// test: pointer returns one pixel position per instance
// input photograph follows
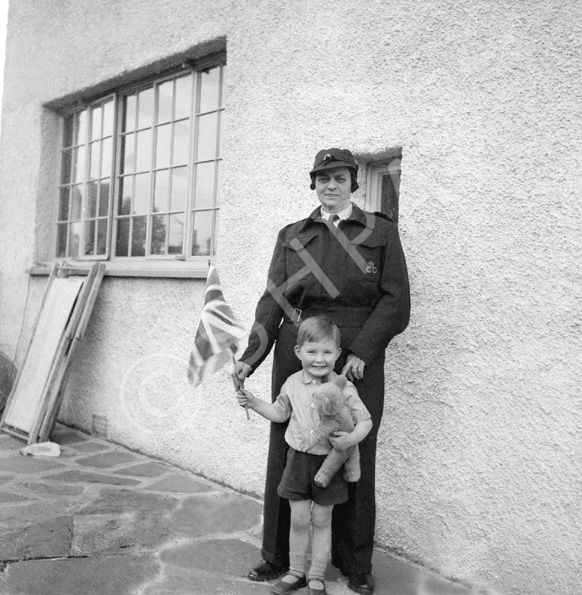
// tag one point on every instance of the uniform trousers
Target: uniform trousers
(353, 522)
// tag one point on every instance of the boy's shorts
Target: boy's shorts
(297, 481)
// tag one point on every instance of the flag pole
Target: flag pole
(246, 406)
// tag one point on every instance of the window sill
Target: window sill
(169, 270)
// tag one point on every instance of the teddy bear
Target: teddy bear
(330, 402)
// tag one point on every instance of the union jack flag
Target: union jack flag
(218, 333)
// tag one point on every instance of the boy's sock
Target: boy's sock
(317, 570)
(296, 568)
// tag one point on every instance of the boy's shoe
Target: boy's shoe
(283, 588)
(361, 583)
(265, 571)
(316, 590)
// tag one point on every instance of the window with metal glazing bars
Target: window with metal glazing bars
(140, 171)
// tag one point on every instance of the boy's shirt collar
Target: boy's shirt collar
(306, 378)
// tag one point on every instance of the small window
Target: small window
(383, 187)
(140, 171)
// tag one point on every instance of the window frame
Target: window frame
(182, 264)
(376, 170)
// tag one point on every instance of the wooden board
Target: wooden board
(33, 403)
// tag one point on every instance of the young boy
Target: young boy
(318, 348)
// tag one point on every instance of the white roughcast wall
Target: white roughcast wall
(478, 470)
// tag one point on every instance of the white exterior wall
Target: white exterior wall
(479, 472)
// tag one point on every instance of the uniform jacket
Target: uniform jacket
(316, 266)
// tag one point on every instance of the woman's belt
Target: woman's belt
(346, 316)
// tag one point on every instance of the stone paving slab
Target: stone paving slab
(108, 575)
(145, 470)
(87, 477)
(181, 484)
(6, 497)
(118, 534)
(87, 447)
(232, 557)
(119, 501)
(46, 490)
(48, 539)
(106, 460)
(28, 464)
(199, 582)
(215, 513)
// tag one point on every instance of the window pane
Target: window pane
(104, 198)
(220, 128)
(183, 97)
(77, 202)
(79, 164)
(161, 191)
(145, 117)
(68, 131)
(204, 195)
(181, 153)
(108, 119)
(102, 236)
(138, 236)
(201, 233)
(129, 113)
(106, 157)
(96, 120)
(141, 198)
(81, 128)
(209, 90)
(66, 162)
(214, 229)
(218, 182)
(389, 198)
(127, 153)
(122, 245)
(74, 239)
(222, 95)
(63, 204)
(92, 194)
(61, 240)
(89, 238)
(179, 189)
(95, 157)
(163, 146)
(176, 234)
(144, 151)
(125, 196)
(158, 234)
(207, 137)
(165, 96)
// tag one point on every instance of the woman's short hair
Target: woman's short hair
(318, 328)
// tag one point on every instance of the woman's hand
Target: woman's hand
(240, 372)
(354, 368)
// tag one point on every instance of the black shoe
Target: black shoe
(361, 583)
(283, 588)
(265, 571)
(316, 591)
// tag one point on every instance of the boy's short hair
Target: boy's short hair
(318, 328)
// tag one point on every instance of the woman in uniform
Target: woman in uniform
(348, 264)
